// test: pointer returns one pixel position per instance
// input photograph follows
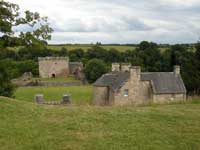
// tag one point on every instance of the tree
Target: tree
(63, 52)
(34, 39)
(97, 52)
(144, 45)
(94, 69)
(6, 87)
(113, 56)
(10, 16)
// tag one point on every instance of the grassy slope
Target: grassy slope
(79, 94)
(28, 126)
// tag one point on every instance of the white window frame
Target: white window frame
(126, 93)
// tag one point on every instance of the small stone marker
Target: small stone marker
(66, 100)
(39, 98)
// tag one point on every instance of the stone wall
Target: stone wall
(111, 97)
(166, 98)
(75, 66)
(100, 95)
(120, 99)
(142, 96)
(53, 66)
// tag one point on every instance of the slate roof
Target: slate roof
(161, 82)
(164, 82)
(114, 80)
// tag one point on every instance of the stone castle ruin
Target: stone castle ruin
(51, 67)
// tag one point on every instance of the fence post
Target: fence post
(39, 98)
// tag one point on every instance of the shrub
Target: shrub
(94, 69)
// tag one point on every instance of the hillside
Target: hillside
(25, 126)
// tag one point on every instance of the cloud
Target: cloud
(119, 21)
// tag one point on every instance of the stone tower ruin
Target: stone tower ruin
(53, 67)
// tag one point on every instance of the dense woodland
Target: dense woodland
(97, 60)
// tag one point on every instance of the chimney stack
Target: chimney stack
(125, 67)
(115, 67)
(177, 70)
(135, 73)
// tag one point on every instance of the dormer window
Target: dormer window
(126, 93)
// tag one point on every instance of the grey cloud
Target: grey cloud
(100, 24)
(132, 20)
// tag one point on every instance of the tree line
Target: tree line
(147, 55)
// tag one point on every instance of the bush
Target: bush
(28, 66)
(6, 87)
(94, 69)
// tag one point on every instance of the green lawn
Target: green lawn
(79, 94)
(27, 126)
(60, 79)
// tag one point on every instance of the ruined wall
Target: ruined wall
(100, 95)
(166, 98)
(74, 66)
(59, 66)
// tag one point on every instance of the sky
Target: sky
(119, 21)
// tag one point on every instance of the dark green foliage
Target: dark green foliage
(28, 66)
(113, 56)
(76, 55)
(5, 53)
(32, 53)
(6, 87)
(63, 52)
(94, 69)
(144, 45)
(98, 53)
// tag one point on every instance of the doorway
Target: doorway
(53, 75)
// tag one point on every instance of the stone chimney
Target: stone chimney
(135, 73)
(115, 67)
(125, 67)
(177, 70)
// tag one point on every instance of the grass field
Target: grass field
(27, 126)
(79, 94)
(85, 47)
(60, 79)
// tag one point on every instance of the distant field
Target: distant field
(27, 126)
(79, 94)
(85, 47)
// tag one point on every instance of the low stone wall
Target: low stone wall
(39, 99)
(29, 84)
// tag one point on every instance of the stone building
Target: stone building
(127, 85)
(57, 67)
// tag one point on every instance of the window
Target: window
(126, 93)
